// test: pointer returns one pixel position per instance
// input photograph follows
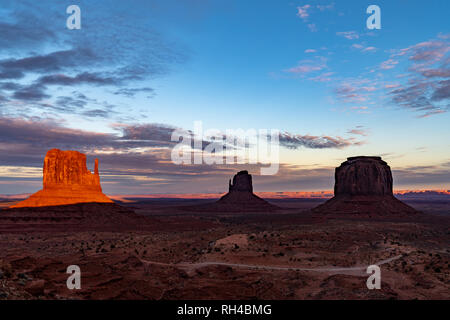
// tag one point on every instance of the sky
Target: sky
(117, 88)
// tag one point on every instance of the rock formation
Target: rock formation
(363, 176)
(66, 181)
(241, 182)
(68, 168)
(240, 197)
(363, 185)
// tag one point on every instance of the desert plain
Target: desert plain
(177, 253)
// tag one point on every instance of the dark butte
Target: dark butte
(363, 176)
(242, 182)
(241, 197)
(363, 186)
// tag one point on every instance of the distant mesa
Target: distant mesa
(242, 182)
(71, 199)
(66, 181)
(240, 197)
(363, 185)
(363, 176)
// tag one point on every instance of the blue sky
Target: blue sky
(308, 68)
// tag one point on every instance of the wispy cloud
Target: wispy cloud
(354, 91)
(426, 87)
(312, 27)
(362, 48)
(388, 64)
(302, 11)
(134, 153)
(42, 59)
(294, 141)
(131, 92)
(308, 65)
(324, 77)
(360, 131)
(350, 35)
(325, 7)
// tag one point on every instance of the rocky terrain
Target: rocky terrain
(234, 256)
(75, 217)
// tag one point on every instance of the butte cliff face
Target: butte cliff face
(66, 181)
(363, 185)
(68, 169)
(363, 176)
(242, 182)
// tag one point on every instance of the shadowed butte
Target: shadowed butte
(363, 185)
(240, 196)
(66, 181)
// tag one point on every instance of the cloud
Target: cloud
(416, 96)
(324, 77)
(369, 49)
(47, 133)
(429, 51)
(363, 48)
(302, 12)
(359, 130)
(425, 88)
(391, 85)
(65, 101)
(31, 92)
(137, 159)
(388, 64)
(308, 66)
(77, 103)
(436, 73)
(312, 27)
(350, 35)
(96, 113)
(146, 132)
(131, 92)
(11, 74)
(138, 154)
(25, 31)
(325, 7)
(417, 176)
(41, 53)
(35, 136)
(354, 92)
(294, 141)
(10, 86)
(310, 51)
(360, 109)
(54, 61)
(82, 78)
(442, 91)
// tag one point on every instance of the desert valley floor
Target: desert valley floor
(180, 254)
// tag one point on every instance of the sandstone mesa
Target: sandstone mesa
(240, 196)
(363, 185)
(66, 180)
